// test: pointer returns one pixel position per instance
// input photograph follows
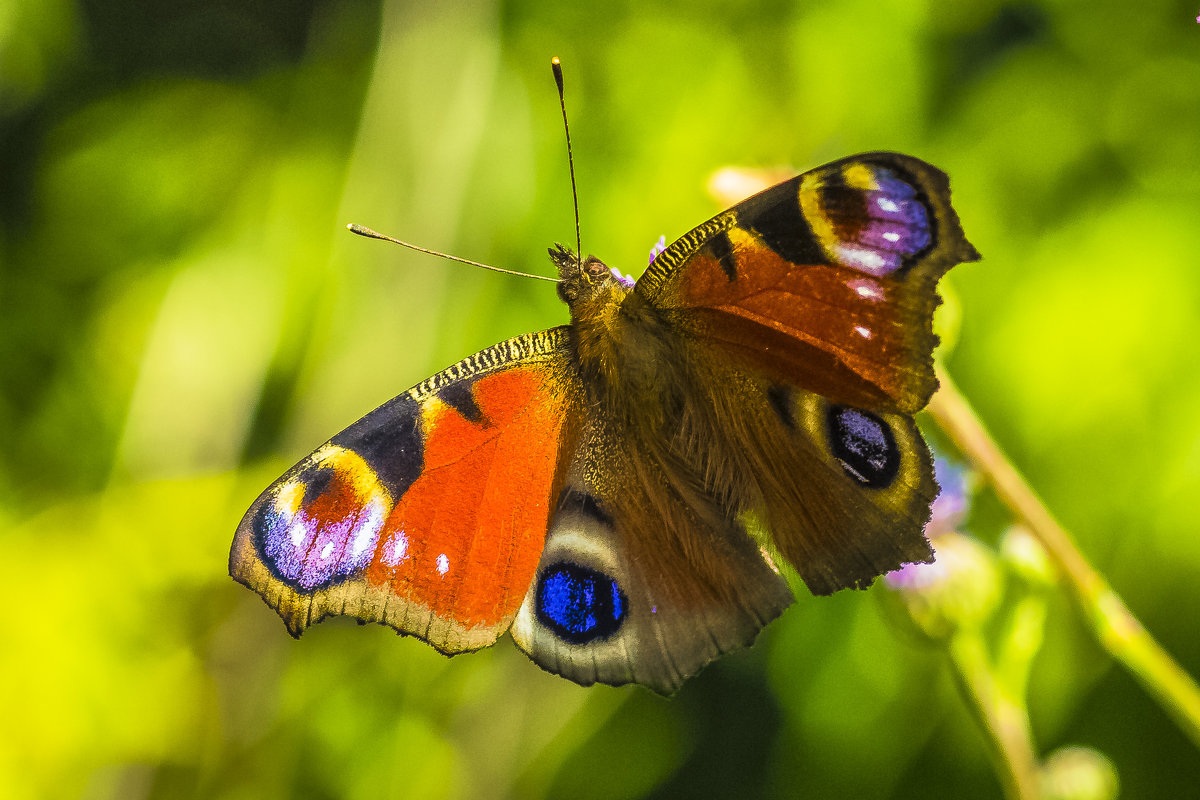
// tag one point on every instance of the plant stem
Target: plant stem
(1021, 640)
(1115, 626)
(1002, 716)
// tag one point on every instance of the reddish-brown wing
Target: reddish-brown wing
(805, 315)
(827, 279)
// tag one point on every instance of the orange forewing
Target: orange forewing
(429, 513)
(465, 538)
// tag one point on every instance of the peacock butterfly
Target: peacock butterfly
(618, 491)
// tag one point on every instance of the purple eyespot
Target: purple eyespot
(324, 525)
(864, 445)
(875, 222)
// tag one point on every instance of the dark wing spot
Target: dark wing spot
(721, 249)
(864, 445)
(316, 483)
(783, 227)
(579, 605)
(389, 440)
(460, 397)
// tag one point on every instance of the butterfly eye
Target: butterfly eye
(596, 271)
(864, 445)
(579, 604)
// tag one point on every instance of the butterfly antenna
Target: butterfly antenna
(362, 230)
(556, 65)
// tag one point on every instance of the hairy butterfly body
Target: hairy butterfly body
(619, 491)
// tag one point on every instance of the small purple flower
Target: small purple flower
(622, 278)
(659, 246)
(914, 577)
(960, 590)
(962, 586)
(952, 503)
(945, 515)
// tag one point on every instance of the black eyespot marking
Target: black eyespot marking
(460, 397)
(785, 230)
(864, 445)
(722, 250)
(578, 604)
(316, 483)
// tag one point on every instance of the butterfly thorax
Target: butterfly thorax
(619, 355)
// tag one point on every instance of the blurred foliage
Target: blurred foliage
(182, 315)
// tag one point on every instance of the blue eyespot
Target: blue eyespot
(579, 604)
(864, 445)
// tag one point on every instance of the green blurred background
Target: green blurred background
(183, 315)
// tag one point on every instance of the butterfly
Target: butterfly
(620, 492)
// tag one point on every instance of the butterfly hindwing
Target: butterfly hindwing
(845, 490)
(633, 586)
(429, 513)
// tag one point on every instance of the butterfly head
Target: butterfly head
(585, 281)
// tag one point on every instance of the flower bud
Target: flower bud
(960, 589)
(1025, 557)
(1078, 773)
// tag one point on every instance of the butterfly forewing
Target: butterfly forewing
(409, 517)
(827, 278)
